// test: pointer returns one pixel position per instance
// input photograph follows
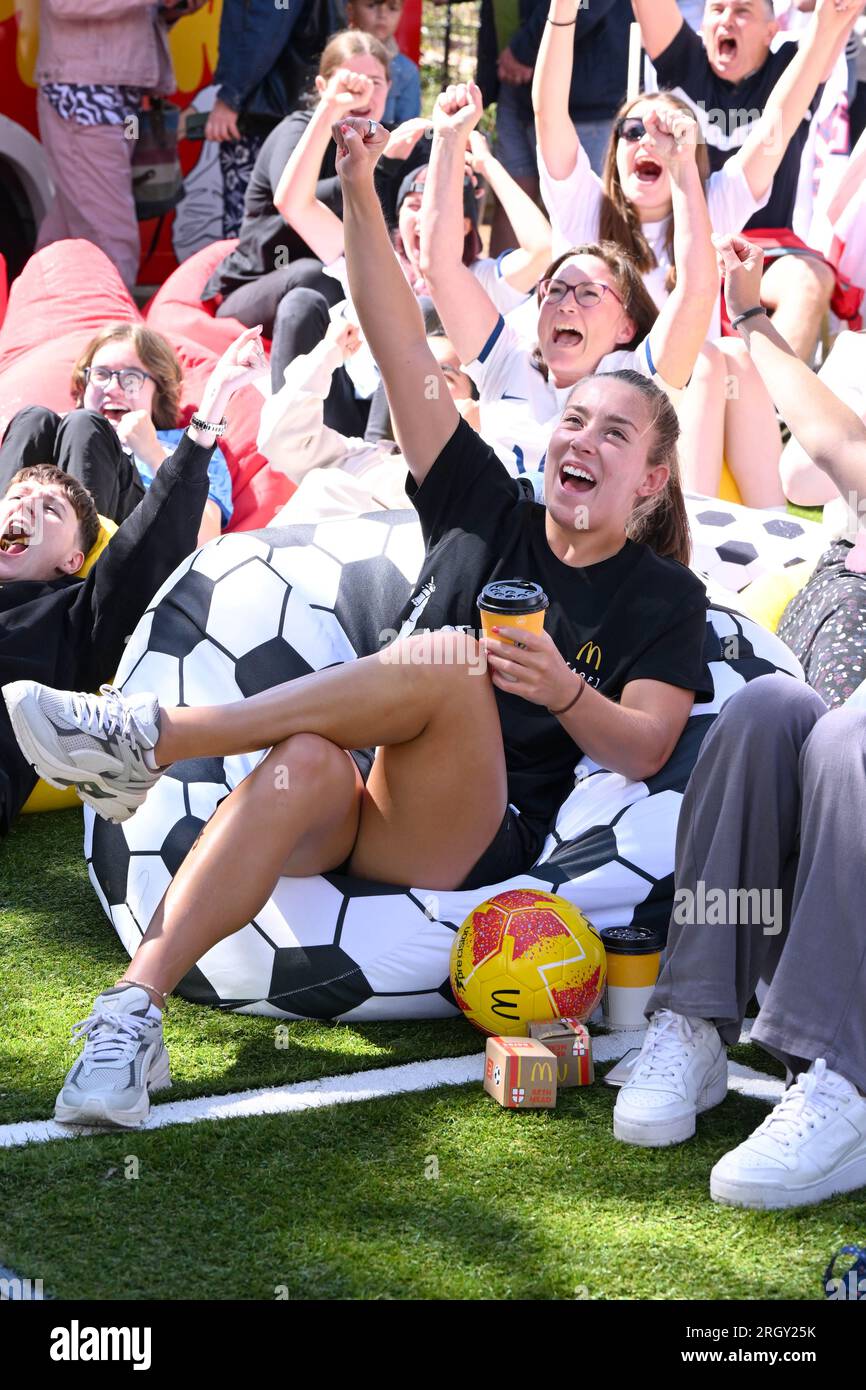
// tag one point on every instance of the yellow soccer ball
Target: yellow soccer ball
(525, 957)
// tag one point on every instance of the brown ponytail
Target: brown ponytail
(660, 521)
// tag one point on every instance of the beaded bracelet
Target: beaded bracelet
(562, 23)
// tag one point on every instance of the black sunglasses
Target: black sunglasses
(630, 128)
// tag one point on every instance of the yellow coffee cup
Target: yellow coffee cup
(512, 603)
(633, 958)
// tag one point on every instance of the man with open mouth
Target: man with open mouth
(727, 73)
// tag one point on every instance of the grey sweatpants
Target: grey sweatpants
(777, 800)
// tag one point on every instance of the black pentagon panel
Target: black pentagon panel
(316, 981)
(179, 841)
(715, 518)
(198, 990)
(366, 888)
(789, 529)
(797, 560)
(198, 770)
(737, 552)
(678, 768)
(447, 993)
(750, 667)
(655, 911)
(269, 665)
(591, 850)
(110, 859)
(180, 621)
(371, 596)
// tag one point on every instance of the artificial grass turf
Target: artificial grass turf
(58, 950)
(337, 1204)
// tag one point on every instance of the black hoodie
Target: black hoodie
(70, 633)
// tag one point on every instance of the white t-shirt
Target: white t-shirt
(362, 369)
(518, 409)
(574, 207)
(490, 274)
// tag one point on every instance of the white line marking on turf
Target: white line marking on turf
(341, 1090)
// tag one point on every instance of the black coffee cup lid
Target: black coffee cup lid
(631, 941)
(512, 596)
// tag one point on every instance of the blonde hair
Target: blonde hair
(618, 219)
(156, 355)
(659, 521)
(349, 43)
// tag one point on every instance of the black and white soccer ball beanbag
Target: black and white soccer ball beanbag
(251, 610)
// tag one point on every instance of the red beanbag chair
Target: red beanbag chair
(4, 288)
(199, 338)
(64, 295)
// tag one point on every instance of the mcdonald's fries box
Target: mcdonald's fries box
(569, 1041)
(520, 1073)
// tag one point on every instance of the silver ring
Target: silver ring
(373, 127)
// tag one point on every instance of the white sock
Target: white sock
(153, 1011)
(149, 758)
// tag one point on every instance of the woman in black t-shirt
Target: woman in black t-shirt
(614, 674)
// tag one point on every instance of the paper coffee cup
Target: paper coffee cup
(512, 603)
(633, 958)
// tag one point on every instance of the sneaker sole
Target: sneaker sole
(96, 1110)
(65, 775)
(731, 1193)
(661, 1134)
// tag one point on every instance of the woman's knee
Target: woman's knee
(771, 703)
(836, 743)
(309, 766)
(302, 304)
(84, 424)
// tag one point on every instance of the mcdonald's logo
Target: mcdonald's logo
(505, 1008)
(588, 653)
(541, 1071)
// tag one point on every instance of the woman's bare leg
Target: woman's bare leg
(269, 825)
(701, 411)
(753, 442)
(433, 803)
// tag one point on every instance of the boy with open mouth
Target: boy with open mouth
(56, 625)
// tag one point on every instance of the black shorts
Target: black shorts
(513, 850)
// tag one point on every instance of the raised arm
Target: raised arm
(832, 435)
(851, 181)
(422, 411)
(551, 87)
(468, 315)
(523, 267)
(679, 331)
(789, 100)
(295, 194)
(660, 21)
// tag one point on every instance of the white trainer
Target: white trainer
(811, 1146)
(95, 743)
(682, 1070)
(124, 1058)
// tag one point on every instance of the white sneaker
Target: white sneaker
(95, 743)
(124, 1058)
(682, 1070)
(811, 1146)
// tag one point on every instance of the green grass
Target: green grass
(338, 1203)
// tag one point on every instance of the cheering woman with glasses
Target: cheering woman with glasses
(727, 411)
(594, 312)
(128, 382)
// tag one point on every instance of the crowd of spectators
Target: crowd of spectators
(667, 256)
